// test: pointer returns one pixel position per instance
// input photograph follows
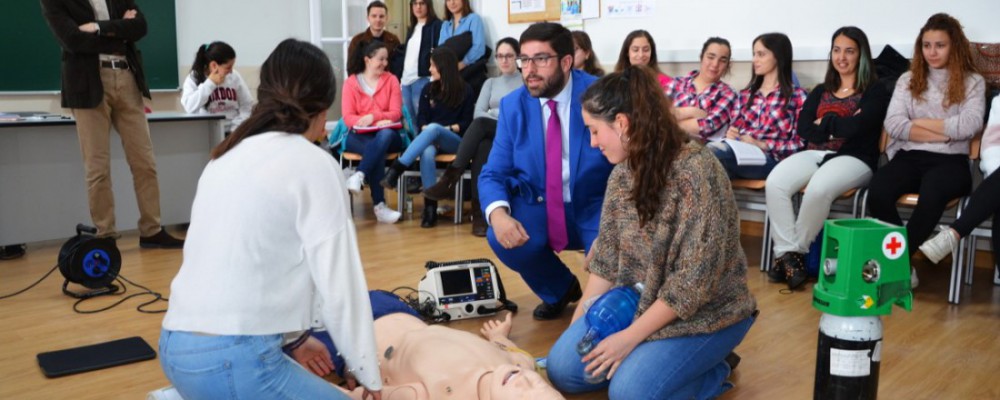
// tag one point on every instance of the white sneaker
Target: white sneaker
(996, 276)
(914, 281)
(355, 181)
(940, 245)
(385, 214)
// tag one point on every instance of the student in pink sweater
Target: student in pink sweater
(372, 99)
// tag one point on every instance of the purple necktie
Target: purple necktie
(554, 206)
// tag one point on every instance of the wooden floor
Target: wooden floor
(938, 351)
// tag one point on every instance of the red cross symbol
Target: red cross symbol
(893, 245)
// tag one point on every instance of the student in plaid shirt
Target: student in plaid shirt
(702, 101)
(639, 48)
(767, 110)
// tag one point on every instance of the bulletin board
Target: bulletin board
(552, 12)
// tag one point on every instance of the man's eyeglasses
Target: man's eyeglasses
(540, 61)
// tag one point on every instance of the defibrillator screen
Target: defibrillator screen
(456, 282)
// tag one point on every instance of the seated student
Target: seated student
(983, 203)
(271, 219)
(377, 13)
(841, 123)
(428, 362)
(421, 39)
(478, 139)
(584, 58)
(640, 49)
(669, 222)
(372, 99)
(936, 109)
(213, 86)
(445, 113)
(459, 18)
(702, 101)
(766, 112)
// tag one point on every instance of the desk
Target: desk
(42, 190)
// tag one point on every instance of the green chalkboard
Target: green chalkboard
(32, 55)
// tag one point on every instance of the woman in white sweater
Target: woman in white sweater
(214, 87)
(271, 251)
(935, 111)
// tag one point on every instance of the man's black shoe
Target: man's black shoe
(546, 311)
(161, 240)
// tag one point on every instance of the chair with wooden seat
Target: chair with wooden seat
(337, 143)
(440, 159)
(744, 190)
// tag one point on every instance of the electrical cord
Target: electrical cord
(427, 308)
(31, 285)
(124, 289)
(121, 286)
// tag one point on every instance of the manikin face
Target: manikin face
(845, 55)
(544, 80)
(763, 60)
(505, 59)
(936, 45)
(714, 62)
(377, 62)
(608, 137)
(419, 8)
(510, 382)
(639, 51)
(377, 18)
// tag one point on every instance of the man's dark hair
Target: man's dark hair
(378, 4)
(556, 35)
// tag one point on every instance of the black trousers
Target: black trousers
(985, 201)
(937, 178)
(475, 148)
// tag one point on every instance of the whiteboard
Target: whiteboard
(680, 27)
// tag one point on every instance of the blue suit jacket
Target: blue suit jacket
(515, 171)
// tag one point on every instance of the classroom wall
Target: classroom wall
(254, 27)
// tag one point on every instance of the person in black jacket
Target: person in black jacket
(103, 83)
(841, 122)
(425, 28)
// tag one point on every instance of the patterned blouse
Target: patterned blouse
(688, 256)
(717, 100)
(771, 119)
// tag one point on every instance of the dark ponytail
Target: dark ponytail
(220, 52)
(296, 84)
(450, 89)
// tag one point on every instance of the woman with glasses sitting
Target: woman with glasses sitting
(478, 139)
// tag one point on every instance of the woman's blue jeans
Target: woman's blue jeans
(237, 367)
(373, 148)
(673, 368)
(432, 140)
(735, 171)
(411, 94)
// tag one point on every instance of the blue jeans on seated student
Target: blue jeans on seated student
(231, 367)
(432, 140)
(373, 148)
(735, 171)
(673, 368)
(411, 94)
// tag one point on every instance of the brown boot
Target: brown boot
(479, 225)
(444, 189)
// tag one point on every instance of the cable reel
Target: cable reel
(89, 261)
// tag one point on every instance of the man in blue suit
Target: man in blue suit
(543, 185)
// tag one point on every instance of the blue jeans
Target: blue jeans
(373, 147)
(427, 144)
(673, 368)
(735, 171)
(237, 367)
(411, 95)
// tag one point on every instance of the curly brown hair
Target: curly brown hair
(653, 137)
(960, 63)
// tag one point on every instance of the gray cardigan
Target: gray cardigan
(488, 105)
(961, 121)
